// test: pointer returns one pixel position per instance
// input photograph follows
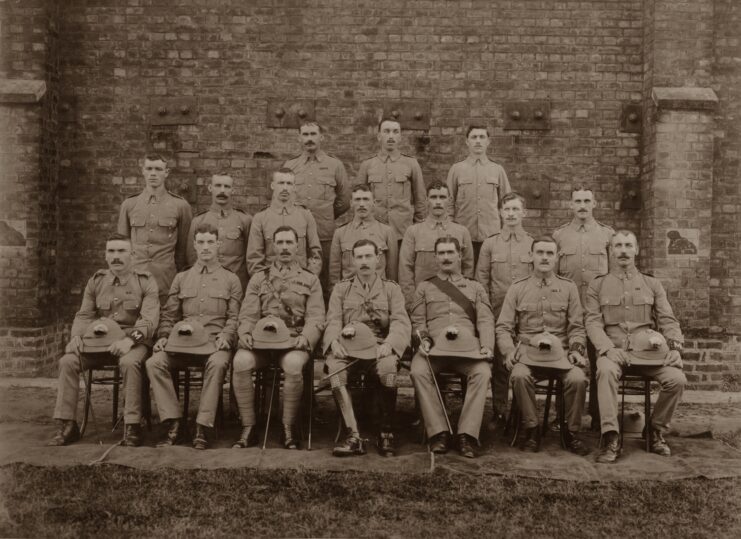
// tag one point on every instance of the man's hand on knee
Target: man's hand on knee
(159, 346)
(338, 350)
(121, 347)
(618, 357)
(384, 350)
(245, 342)
(510, 360)
(74, 346)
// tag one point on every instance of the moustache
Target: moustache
(116, 261)
(285, 252)
(364, 267)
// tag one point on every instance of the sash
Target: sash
(458, 297)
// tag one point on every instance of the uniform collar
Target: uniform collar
(359, 223)
(282, 209)
(477, 159)
(221, 211)
(393, 156)
(357, 283)
(453, 278)
(540, 280)
(111, 278)
(508, 233)
(588, 226)
(154, 195)
(318, 156)
(275, 269)
(434, 223)
(630, 273)
(200, 267)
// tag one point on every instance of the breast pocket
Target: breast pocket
(556, 314)
(529, 318)
(166, 226)
(187, 293)
(490, 186)
(643, 304)
(566, 258)
(326, 188)
(375, 180)
(103, 305)
(131, 305)
(401, 187)
(138, 227)
(597, 259)
(613, 310)
(465, 188)
(217, 300)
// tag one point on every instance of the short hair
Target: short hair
(448, 239)
(544, 238)
(285, 228)
(221, 173)
(363, 243)
(206, 228)
(437, 184)
(310, 123)
(624, 232)
(365, 187)
(388, 119)
(117, 237)
(476, 126)
(283, 170)
(156, 157)
(581, 187)
(512, 195)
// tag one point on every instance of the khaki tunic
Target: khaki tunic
(340, 257)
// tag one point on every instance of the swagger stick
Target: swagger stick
(270, 408)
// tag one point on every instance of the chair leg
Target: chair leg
(186, 394)
(544, 426)
(647, 411)
(88, 395)
(116, 384)
(563, 427)
(146, 401)
(513, 420)
(622, 411)
(309, 397)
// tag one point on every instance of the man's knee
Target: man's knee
(419, 367)
(387, 366)
(218, 361)
(673, 380)
(606, 368)
(480, 371)
(70, 362)
(134, 358)
(575, 378)
(520, 373)
(293, 362)
(158, 361)
(244, 360)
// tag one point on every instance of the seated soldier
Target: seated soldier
(293, 294)
(543, 313)
(206, 298)
(634, 330)
(449, 307)
(128, 299)
(377, 306)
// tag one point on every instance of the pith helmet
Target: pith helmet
(546, 351)
(271, 333)
(190, 337)
(100, 334)
(457, 343)
(647, 347)
(358, 340)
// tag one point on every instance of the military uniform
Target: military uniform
(133, 302)
(211, 297)
(158, 226)
(260, 251)
(234, 228)
(295, 296)
(504, 258)
(417, 256)
(398, 189)
(535, 305)
(433, 311)
(619, 304)
(476, 186)
(341, 260)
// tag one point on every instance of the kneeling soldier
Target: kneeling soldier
(205, 299)
(449, 307)
(366, 307)
(128, 299)
(286, 291)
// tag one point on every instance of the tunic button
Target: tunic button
(202, 299)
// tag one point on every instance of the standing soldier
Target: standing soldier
(283, 212)
(504, 258)
(476, 186)
(417, 259)
(321, 186)
(157, 221)
(128, 297)
(582, 256)
(396, 180)
(232, 223)
(364, 226)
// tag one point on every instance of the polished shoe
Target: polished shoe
(658, 445)
(200, 440)
(529, 440)
(67, 433)
(498, 424)
(290, 441)
(576, 446)
(610, 450)
(174, 434)
(132, 435)
(352, 445)
(248, 438)
(465, 446)
(385, 444)
(439, 443)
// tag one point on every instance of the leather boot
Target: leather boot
(67, 433)
(132, 435)
(352, 445)
(200, 440)
(529, 440)
(610, 450)
(248, 438)
(386, 444)
(439, 442)
(290, 440)
(388, 412)
(174, 434)
(465, 446)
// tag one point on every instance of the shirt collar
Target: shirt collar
(454, 277)
(359, 284)
(153, 195)
(282, 209)
(222, 211)
(588, 225)
(318, 156)
(507, 233)
(359, 223)
(477, 159)
(275, 269)
(434, 223)
(112, 278)
(200, 267)
(539, 280)
(393, 156)
(618, 272)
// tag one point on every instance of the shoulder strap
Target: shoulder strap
(454, 293)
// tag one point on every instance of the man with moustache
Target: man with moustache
(157, 221)
(321, 186)
(476, 186)
(363, 226)
(417, 259)
(129, 297)
(369, 299)
(283, 212)
(396, 180)
(232, 223)
(205, 295)
(625, 307)
(543, 310)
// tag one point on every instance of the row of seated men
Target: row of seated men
(541, 329)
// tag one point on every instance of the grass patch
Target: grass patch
(117, 501)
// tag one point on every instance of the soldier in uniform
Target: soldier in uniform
(157, 221)
(363, 226)
(232, 223)
(208, 294)
(620, 306)
(321, 186)
(504, 258)
(129, 297)
(417, 258)
(294, 295)
(379, 304)
(283, 212)
(582, 255)
(444, 305)
(396, 180)
(476, 186)
(544, 310)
